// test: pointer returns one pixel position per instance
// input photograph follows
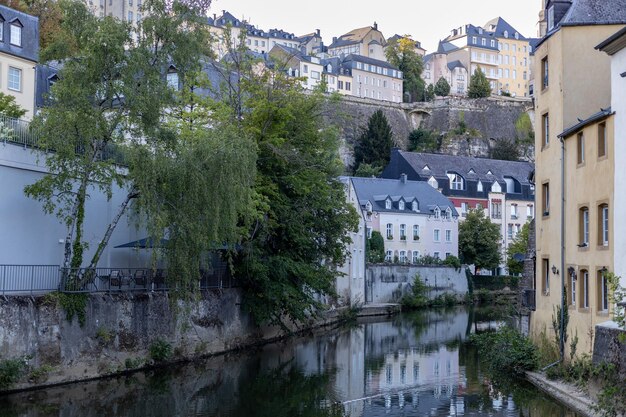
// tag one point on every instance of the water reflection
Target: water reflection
(416, 365)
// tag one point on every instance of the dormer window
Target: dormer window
(506, 33)
(433, 182)
(1, 28)
(388, 204)
(448, 213)
(437, 212)
(456, 181)
(368, 207)
(401, 204)
(471, 171)
(415, 206)
(426, 167)
(479, 187)
(172, 79)
(16, 33)
(489, 173)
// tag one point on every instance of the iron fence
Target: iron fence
(17, 131)
(137, 279)
(28, 279)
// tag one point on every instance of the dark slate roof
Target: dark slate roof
(46, 76)
(445, 47)
(427, 58)
(368, 60)
(377, 190)
(225, 19)
(440, 165)
(500, 26)
(30, 34)
(293, 52)
(455, 64)
(595, 12)
(602, 114)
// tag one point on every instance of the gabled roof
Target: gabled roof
(225, 19)
(445, 47)
(292, 52)
(353, 37)
(368, 60)
(441, 165)
(377, 190)
(595, 12)
(499, 26)
(456, 64)
(602, 114)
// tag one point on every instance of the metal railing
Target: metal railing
(17, 131)
(89, 280)
(28, 279)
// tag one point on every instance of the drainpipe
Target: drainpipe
(562, 341)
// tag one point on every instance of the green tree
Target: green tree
(429, 93)
(479, 241)
(9, 107)
(423, 140)
(49, 14)
(505, 150)
(100, 105)
(479, 85)
(301, 220)
(375, 248)
(518, 246)
(368, 171)
(374, 145)
(401, 53)
(442, 87)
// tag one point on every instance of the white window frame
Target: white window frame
(416, 232)
(605, 225)
(437, 235)
(16, 30)
(403, 232)
(389, 231)
(18, 71)
(448, 235)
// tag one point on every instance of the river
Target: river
(416, 364)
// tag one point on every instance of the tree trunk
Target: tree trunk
(69, 239)
(111, 227)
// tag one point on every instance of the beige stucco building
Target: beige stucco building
(367, 41)
(574, 224)
(19, 53)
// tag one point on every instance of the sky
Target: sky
(425, 21)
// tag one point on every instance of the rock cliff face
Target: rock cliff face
(485, 121)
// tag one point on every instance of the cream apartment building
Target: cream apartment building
(374, 79)
(367, 41)
(574, 242)
(19, 53)
(128, 10)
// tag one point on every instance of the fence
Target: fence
(30, 279)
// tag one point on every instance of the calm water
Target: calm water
(411, 365)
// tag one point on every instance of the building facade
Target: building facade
(574, 151)
(367, 41)
(501, 189)
(414, 219)
(19, 54)
(437, 65)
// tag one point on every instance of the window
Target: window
(340, 85)
(496, 210)
(479, 187)
(545, 129)
(603, 288)
(401, 205)
(437, 212)
(315, 75)
(493, 43)
(348, 86)
(306, 69)
(138, 17)
(602, 142)
(584, 288)
(551, 18)
(416, 257)
(515, 74)
(474, 40)
(506, 60)
(545, 271)
(464, 209)
(580, 145)
(436, 256)
(15, 79)
(514, 211)
(544, 73)
(130, 16)
(436, 236)
(456, 181)
(433, 182)
(572, 278)
(388, 256)
(509, 231)
(16, 33)
(1, 29)
(603, 227)
(448, 235)
(545, 195)
(414, 206)
(388, 204)
(403, 232)
(583, 234)
(416, 232)
(529, 211)
(389, 231)
(402, 257)
(172, 80)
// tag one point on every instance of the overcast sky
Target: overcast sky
(426, 21)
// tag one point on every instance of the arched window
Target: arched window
(448, 214)
(402, 257)
(512, 185)
(456, 181)
(388, 256)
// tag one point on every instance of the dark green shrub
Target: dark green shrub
(160, 350)
(418, 298)
(452, 261)
(11, 370)
(506, 350)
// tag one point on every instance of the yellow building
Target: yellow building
(574, 147)
(19, 53)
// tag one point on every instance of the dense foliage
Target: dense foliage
(442, 87)
(9, 108)
(479, 85)
(505, 150)
(401, 53)
(506, 351)
(374, 145)
(479, 241)
(519, 245)
(424, 140)
(375, 248)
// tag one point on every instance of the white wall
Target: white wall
(28, 236)
(618, 105)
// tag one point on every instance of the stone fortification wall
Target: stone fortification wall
(388, 283)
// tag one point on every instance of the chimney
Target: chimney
(375, 26)
(334, 39)
(403, 178)
(214, 17)
(317, 31)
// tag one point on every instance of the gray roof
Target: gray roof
(445, 47)
(368, 60)
(602, 114)
(595, 12)
(30, 34)
(500, 26)
(439, 166)
(456, 64)
(377, 190)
